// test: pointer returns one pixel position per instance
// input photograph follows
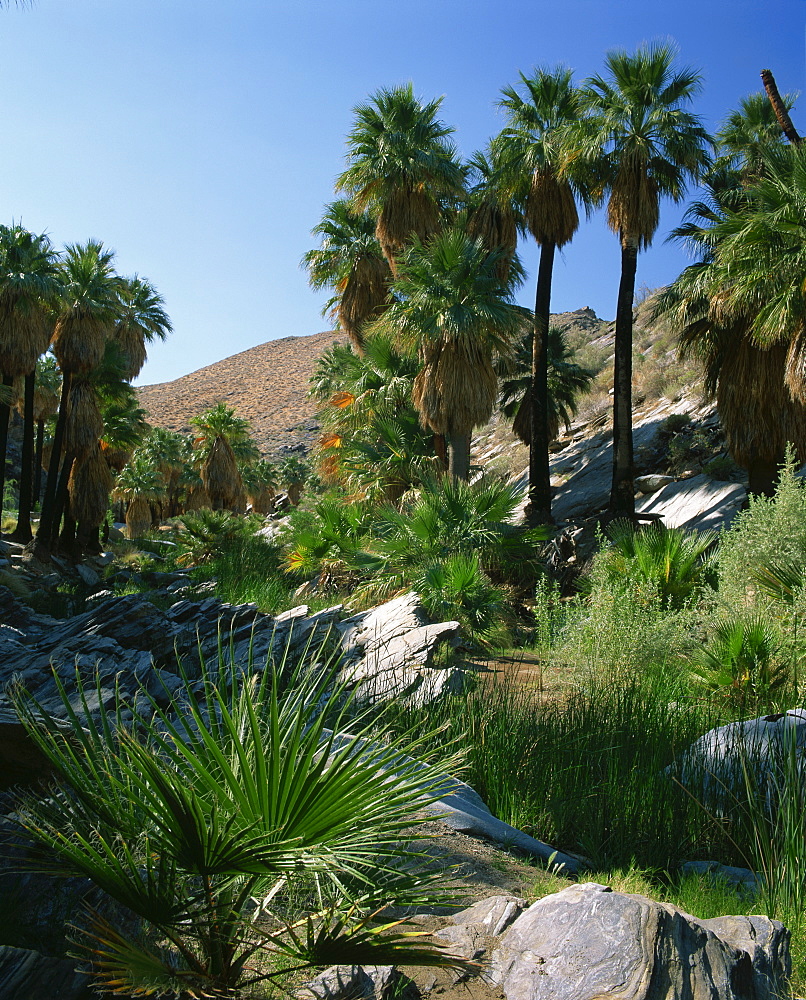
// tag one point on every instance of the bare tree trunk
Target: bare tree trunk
(459, 455)
(62, 504)
(40, 440)
(763, 477)
(5, 411)
(538, 509)
(779, 107)
(622, 492)
(46, 531)
(23, 533)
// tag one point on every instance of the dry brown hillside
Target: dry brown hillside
(267, 385)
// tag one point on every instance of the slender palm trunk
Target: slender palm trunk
(538, 509)
(62, 506)
(40, 441)
(23, 533)
(5, 412)
(763, 476)
(46, 529)
(459, 456)
(622, 492)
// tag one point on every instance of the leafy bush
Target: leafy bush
(209, 818)
(759, 535)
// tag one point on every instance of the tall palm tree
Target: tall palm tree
(47, 390)
(28, 287)
(90, 306)
(453, 305)
(741, 308)
(222, 441)
(351, 262)
(647, 146)
(141, 320)
(535, 153)
(401, 167)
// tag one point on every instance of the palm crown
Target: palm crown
(650, 145)
(400, 166)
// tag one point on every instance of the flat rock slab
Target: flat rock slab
(27, 975)
(588, 942)
(699, 502)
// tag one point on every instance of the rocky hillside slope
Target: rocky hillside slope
(268, 385)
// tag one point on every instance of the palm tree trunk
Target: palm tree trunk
(763, 477)
(538, 509)
(46, 531)
(23, 533)
(5, 412)
(62, 504)
(622, 492)
(459, 455)
(779, 108)
(40, 440)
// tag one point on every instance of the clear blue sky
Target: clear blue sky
(201, 139)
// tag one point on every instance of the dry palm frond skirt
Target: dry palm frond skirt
(456, 390)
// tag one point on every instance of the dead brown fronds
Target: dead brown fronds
(79, 340)
(551, 210)
(220, 475)
(456, 390)
(633, 210)
(408, 212)
(25, 333)
(364, 296)
(138, 518)
(90, 485)
(84, 425)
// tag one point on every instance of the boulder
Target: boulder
(352, 982)
(651, 484)
(588, 942)
(713, 768)
(699, 502)
(388, 652)
(27, 974)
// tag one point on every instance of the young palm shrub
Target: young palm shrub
(246, 790)
(449, 517)
(201, 534)
(743, 664)
(458, 589)
(332, 544)
(675, 561)
(293, 473)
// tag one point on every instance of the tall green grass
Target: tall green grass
(588, 775)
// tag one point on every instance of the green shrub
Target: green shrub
(249, 793)
(458, 589)
(743, 664)
(675, 562)
(758, 536)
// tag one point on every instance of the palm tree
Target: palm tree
(646, 146)
(535, 154)
(89, 308)
(47, 389)
(223, 439)
(566, 382)
(28, 286)
(139, 485)
(742, 308)
(454, 307)
(142, 319)
(401, 167)
(351, 262)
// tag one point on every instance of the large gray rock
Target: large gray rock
(388, 652)
(714, 767)
(587, 943)
(699, 502)
(27, 975)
